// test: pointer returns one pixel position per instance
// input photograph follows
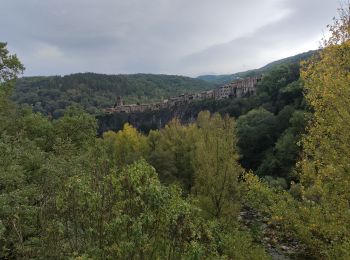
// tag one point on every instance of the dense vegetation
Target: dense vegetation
(268, 125)
(67, 194)
(316, 210)
(51, 95)
(178, 192)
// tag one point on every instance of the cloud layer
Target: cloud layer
(160, 36)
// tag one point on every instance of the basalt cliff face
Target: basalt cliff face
(235, 89)
(148, 119)
(186, 107)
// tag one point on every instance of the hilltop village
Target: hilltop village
(235, 89)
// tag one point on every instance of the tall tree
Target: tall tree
(318, 214)
(10, 66)
(257, 132)
(325, 168)
(128, 144)
(172, 152)
(327, 145)
(216, 167)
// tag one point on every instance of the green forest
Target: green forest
(260, 177)
(51, 95)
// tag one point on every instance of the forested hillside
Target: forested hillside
(51, 95)
(223, 79)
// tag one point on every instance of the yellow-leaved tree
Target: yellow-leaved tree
(128, 144)
(316, 211)
(216, 167)
(325, 163)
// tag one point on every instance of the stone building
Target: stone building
(236, 89)
(120, 102)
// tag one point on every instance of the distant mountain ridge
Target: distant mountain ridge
(226, 78)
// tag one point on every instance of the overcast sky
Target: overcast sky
(188, 37)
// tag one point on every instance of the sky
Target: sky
(183, 37)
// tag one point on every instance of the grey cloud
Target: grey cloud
(158, 36)
(301, 28)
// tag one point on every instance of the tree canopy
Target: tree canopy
(10, 66)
